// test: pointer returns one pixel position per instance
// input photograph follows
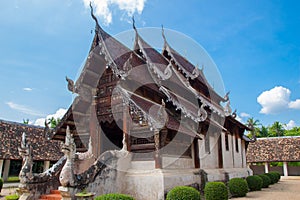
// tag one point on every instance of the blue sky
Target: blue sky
(255, 44)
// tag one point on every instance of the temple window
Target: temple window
(226, 142)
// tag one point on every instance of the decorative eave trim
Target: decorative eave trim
(201, 113)
(186, 73)
(127, 100)
(204, 102)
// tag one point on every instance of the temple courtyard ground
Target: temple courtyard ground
(287, 188)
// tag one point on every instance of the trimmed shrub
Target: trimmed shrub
(238, 187)
(183, 193)
(273, 177)
(114, 197)
(266, 180)
(277, 174)
(1, 184)
(12, 197)
(254, 183)
(215, 191)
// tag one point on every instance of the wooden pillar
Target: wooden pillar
(94, 135)
(1, 167)
(6, 169)
(285, 169)
(126, 136)
(266, 167)
(157, 156)
(196, 153)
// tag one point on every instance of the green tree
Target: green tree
(293, 132)
(263, 132)
(25, 121)
(254, 125)
(277, 129)
(53, 122)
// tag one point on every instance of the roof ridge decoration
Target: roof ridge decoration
(196, 71)
(103, 49)
(94, 17)
(154, 71)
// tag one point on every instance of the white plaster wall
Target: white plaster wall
(174, 178)
(177, 163)
(237, 155)
(227, 155)
(244, 158)
(144, 184)
(209, 160)
(153, 184)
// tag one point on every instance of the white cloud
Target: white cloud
(102, 7)
(295, 104)
(23, 109)
(290, 125)
(27, 89)
(274, 100)
(243, 114)
(58, 114)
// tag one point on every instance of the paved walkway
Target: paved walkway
(287, 188)
(8, 188)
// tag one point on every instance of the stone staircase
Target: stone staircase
(54, 195)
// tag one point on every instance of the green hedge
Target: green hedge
(238, 187)
(215, 191)
(1, 184)
(266, 180)
(183, 193)
(273, 177)
(254, 183)
(277, 175)
(114, 197)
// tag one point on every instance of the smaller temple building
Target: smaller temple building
(45, 152)
(280, 154)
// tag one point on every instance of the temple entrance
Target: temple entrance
(111, 136)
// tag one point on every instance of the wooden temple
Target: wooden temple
(155, 105)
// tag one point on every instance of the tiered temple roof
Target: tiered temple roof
(172, 77)
(11, 136)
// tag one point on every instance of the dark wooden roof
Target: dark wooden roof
(10, 139)
(274, 149)
(182, 62)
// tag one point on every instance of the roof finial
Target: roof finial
(93, 16)
(163, 32)
(133, 23)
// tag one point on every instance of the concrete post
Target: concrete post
(6, 169)
(1, 166)
(46, 165)
(285, 169)
(266, 167)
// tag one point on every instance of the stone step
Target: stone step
(54, 192)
